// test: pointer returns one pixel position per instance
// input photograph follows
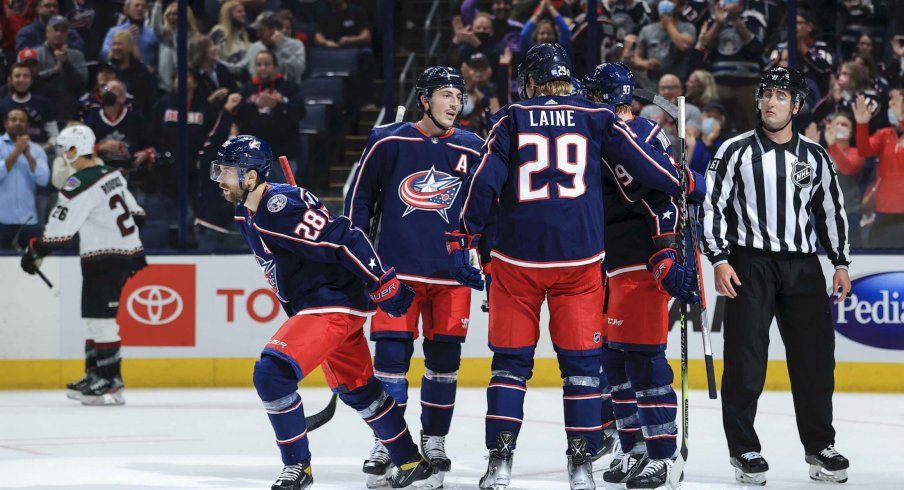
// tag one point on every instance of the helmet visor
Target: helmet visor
(224, 174)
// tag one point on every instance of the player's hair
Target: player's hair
(555, 87)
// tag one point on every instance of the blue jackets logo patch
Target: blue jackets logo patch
(874, 315)
(429, 190)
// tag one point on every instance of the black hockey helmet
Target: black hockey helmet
(784, 78)
(543, 63)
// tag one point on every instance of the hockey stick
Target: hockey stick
(659, 101)
(54, 290)
(287, 170)
(681, 460)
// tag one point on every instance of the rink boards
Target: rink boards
(202, 320)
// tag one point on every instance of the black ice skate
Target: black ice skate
(580, 465)
(416, 473)
(377, 466)
(626, 465)
(750, 468)
(653, 474)
(499, 468)
(74, 389)
(434, 450)
(294, 477)
(828, 465)
(608, 442)
(104, 391)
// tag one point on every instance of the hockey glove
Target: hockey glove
(31, 259)
(390, 295)
(461, 248)
(695, 184)
(678, 280)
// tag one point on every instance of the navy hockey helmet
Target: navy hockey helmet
(245, 153)
(543, 63)
(612, 83)
(435, 78)
(784, 78)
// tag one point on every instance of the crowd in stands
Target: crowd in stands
(112, 65)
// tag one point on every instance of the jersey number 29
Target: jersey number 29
(575, 165)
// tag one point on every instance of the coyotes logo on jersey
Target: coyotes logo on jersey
(429, 190)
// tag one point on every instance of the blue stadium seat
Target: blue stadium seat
(316, 119)
(323, 91)
(326, 62)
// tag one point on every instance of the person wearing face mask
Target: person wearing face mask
(415, 173)
(887, 230)
(770, 192)
(119, 130)
(839, 136)
(662, 47)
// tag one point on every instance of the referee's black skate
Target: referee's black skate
(294, 477)
(750, 468)
(104, 391)
(828, 465)
(499, 467)
(416, 473)
(377, 466)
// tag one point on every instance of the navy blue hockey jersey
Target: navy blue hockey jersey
(634, 213)
(542, 164)
(414, 184)
(315, 262)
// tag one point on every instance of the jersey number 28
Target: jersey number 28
(574, 165)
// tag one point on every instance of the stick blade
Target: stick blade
(318, 419)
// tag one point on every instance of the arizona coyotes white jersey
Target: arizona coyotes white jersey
(96, 203)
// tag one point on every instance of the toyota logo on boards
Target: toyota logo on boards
(155, 304)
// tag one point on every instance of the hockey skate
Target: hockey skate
(104, 391)
(750, 468)
(580, 465)
(74, 389)
(434, 451)
(653, 474)
(294, 477)
(499, 468)
(625, 465)
(416, 473)
(608, 442)
(828, 465)
(377, 466)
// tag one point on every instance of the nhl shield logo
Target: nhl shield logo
(596, 337)
(429, 190)
(801, 174)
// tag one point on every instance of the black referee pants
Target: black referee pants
(791, 287)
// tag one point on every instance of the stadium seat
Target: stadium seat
(327, 62)
(323, 91)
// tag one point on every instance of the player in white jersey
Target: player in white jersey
(95, 202)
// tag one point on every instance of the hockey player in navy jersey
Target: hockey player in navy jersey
(322, 269)
(636, 316)
(413, 174)
(542, 167)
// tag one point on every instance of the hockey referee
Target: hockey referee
(770, 194)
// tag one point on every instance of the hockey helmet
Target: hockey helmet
(612, 83)
(77, 136)
(543, 63)
(244, 153)
(784, 78)
(436, 77)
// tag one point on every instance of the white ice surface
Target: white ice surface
(221, 439)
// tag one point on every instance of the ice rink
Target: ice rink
(220, 439)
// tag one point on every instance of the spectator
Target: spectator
(733, 42)
(539, 29)
(289, 52)
(23, 169)
(703, 146)
(215, 81)
(701, 88)
(345, 25)
(92, 99)
(482, 100)
(15, 15)
(126, 61)
(478, 37)
(611, 48)
(231, 38)
(42, 128)
(670, 88)
(894, 71)
(119, 129)
(887, 230)
(662, 47)
(629, 16)
(288, 26)
(505, 29)
(34, 34)
(135, 12)
(62, 72)
(81, 15)
(271, 103)
(838, 135)
(814, 57)
(165, 23)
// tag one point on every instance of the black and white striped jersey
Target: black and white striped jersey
(778, 198)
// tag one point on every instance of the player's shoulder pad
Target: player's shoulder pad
(84, 179)
(468, 139)
(391, 129)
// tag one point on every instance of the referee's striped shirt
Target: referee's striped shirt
(777, 198)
